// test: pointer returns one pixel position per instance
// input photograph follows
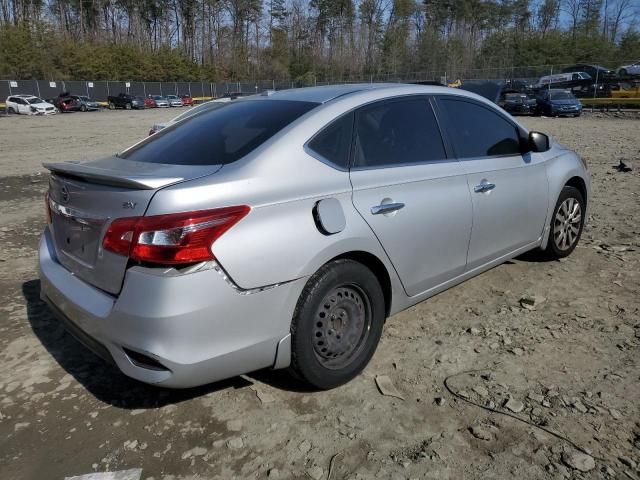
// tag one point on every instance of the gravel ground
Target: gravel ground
(569, 364)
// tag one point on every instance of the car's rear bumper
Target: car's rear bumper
(172, 329)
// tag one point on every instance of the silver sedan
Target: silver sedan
(281, 230)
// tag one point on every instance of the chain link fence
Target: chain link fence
(599, 83)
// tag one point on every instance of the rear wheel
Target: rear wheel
(128, 106)
(337, 324)
(566, 223)
(83, 108)
(12, 110)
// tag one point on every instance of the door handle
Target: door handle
(386, 208)
(484, 187)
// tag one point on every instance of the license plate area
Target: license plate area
(77, 238)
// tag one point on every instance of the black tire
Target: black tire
(128, 106)
(337, 324)
(12, 110)
(112, 106)
(83, 108)
(559, 245)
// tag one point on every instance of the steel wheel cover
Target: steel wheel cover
(341, 326)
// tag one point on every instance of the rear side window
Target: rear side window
(220, 136)
(397, 132)
(477, 131)
(334, 142)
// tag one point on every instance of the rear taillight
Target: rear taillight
(47, 207)
(177, 238)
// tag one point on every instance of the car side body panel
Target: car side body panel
(228, 316)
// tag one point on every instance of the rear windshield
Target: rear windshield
(203, 107)
(219, 136)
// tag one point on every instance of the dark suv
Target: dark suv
(124, 100)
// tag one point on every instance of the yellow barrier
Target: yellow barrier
(610, 101)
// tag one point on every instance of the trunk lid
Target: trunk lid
(85, 198)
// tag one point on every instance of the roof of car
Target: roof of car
(327, 93)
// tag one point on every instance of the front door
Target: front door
(413, 196)
(509, 190)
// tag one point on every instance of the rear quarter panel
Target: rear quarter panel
(278, 241)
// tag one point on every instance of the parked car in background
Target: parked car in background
(282, 231)
(29, 105)
(87, 103)
(596, 72)
(174, 100)
(629, 70)
(565, 80)
(124, 100)
(161, 101)
(149, 102)
(187, 101)
(203, 107)
(517, 103)
(556, 102)
(65, 102)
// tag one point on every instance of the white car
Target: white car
(633, 69)
(29, 105)
(212, 105)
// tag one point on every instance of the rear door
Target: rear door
(412, 194)
(509, 190)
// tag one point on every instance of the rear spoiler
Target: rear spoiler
(110, 177)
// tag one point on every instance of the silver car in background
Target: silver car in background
(160, 101)
(174, 101)
(281, 230)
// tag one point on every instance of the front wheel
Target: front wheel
(566, 223)
(83, 108)
(128, 106)
(112, 106)
(337, 324)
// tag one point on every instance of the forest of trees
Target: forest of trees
(303, 39)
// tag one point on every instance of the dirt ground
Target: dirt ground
(571, 364)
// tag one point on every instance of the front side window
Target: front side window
(397, 132)
(477, 131)
(220, 136)
(334, 142)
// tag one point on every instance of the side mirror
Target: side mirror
(538, 142)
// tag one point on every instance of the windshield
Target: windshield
(34, 100)
(85, 99)
(561, 96)
(205, 107)
(221, 136)
(172, 97)
(158, 97)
